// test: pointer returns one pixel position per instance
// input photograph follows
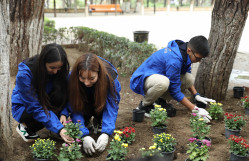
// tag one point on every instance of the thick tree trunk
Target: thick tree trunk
(26, 28)
(5, 114)
(228, 21)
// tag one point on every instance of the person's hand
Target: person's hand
(202, 113)
(65, 137)
(63, 119)
(102, 142)
(89, 145)
(203, 99)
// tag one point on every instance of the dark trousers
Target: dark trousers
(30, 122)
(91, 112)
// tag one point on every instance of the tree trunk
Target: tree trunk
(228, 21)
(26, 29)
(5, 110)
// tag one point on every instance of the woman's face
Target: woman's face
(54, 67)
(88, 77)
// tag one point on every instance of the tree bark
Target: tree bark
(26, 29)
(228, 21)
(5, 113)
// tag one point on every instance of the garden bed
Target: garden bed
(178, 126)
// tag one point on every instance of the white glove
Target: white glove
(88, 145)
(203, 99)
(102, 142)
(203, 113)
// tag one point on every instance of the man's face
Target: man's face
(194, 57)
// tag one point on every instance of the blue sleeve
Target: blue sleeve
(32, 104)
(174, 75)
(111, 110)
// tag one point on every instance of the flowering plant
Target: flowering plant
(152, 151)
(158, 116)
(234, 122)
(165, 142)
(198, 126)
(215, 110)
(118, 150)
(73, 129)
(245, 102)
(70, 152)
(43, 148)
(238, 145)
(197, 153)
(127, 134)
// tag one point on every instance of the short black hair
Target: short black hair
(199, 44)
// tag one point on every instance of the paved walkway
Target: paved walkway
(163, 26)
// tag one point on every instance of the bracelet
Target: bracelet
(196, 94)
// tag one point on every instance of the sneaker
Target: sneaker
(26, 134)
(171, 111)
(147, 109)
(97, 126)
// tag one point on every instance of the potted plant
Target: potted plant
(215, 110)
(199, 127)
(151, 151)
(118, 150)
(43, 149)
(245, 104)
(166, 142)
(127, 134)
(233, 124)
(158, 117)
(198, 153)
(138, 115)
(239, 149)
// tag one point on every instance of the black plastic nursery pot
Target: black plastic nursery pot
(141, 36)
(138, 115)
(159, 130)
(238, 92)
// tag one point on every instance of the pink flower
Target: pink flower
(78, 120)
(194, 114)
(66, 145)
(206, 142)
(191, 140)
(78, 140)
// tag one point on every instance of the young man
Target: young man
(167, 72)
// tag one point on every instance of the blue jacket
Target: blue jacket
(23, 99)
(110, 111)
(168, 62)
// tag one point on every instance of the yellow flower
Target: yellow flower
(219, 104)
(160, 109)
(201, 119)
(159, 149)
(152, 147)
(125, 145)
(116, 137)
(143, 148)
(155, 144)
(157, 106)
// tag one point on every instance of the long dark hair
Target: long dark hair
(104, 84)
(57, 98)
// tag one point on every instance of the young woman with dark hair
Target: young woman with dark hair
(94, 92)
(40, 96)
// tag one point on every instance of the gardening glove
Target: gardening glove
(102, 142)
(89, 145)
(65, 137)
(202, 113)
(203, 99)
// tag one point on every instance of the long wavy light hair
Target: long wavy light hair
(104, 83)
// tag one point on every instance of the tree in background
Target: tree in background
(20, 37)
(228, 21)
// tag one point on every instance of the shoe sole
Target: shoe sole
(26, 140)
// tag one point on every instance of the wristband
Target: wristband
(196, 94)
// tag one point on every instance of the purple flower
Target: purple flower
(78, 140)
(191, 140)
(67, 122)
(194, 114)
(66, 145)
